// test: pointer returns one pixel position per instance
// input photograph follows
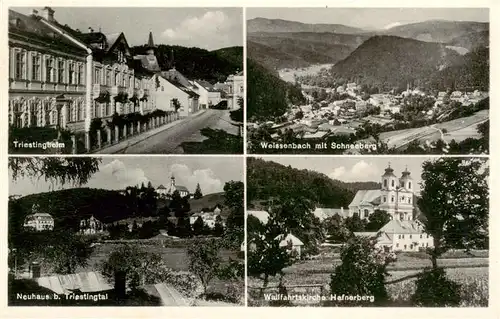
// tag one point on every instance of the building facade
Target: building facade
(91, 226)
(396, 197)
(38, 221)
(63, 78)
(183, 191)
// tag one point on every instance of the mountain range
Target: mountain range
(279, 44)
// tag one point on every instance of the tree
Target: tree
(219, 227)
(131, 266)
(454, 200)
(60, 170)
(265, 257)
(198, 226)
(378, 219)
(197, 193)
(176, 104)
(354, 223)
(184, 227)
(233, 199)
(362, 272)
(204, 261)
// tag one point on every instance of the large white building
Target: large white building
(396, 197)
(61, 77)
(38, 221)
(209, 96)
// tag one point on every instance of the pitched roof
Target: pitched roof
(37, 30)
(366, 197)
(180, 87)
(168, 294)
(402, 227)
(324, 213)
(261, 215)
(85, 282)
(206, 85)
(161, 187)
(284, 240)
(148, 62)
(181, 188)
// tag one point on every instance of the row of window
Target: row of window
(393, 184)
(412, 246)
(113, 78)
(401, 199)
(33, 66)
(421, 236)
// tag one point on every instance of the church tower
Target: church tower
(388, 192)
(405, 196)
(172, 181)
(151, 44)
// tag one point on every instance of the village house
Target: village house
(170, 88)
(401, 235)
(209, 96)
(324, 213)
(38, 221)
(396, 197)
(209, 217)
(91, 226)
(61, 77)
(292, 243)
(161, 191)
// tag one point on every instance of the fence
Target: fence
(111, 135)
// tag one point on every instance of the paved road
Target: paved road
(168, 141)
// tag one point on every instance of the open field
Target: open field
(175, 257)
(458, 129)
(474, 288)
(404, 263)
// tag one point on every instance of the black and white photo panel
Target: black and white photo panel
(127, 80)
(368, 80)
(126, 231)
(367, 231)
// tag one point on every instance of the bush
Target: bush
(434, 289)
(361, 273)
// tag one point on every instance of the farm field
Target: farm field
(458, 129)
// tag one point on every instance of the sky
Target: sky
(355, 169)
(206, 28)
(369, 18)
(119, 172)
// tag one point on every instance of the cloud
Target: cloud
(213, 26)
(118, 173)
(361, 171)
(209, 183)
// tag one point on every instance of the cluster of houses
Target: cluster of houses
(343, 117)
(396, 197)
(64, 77)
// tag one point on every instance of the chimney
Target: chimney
(91, 30)
(48, 14)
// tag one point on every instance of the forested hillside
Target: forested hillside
(267, 95)
(196, 63)
(267, 180)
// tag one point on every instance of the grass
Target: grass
(471, 272)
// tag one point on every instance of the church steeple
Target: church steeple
(172, 180)
(151, 44)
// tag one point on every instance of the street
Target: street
(169, 141)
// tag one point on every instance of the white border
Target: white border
(166, 312)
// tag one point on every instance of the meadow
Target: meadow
(472, 273)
